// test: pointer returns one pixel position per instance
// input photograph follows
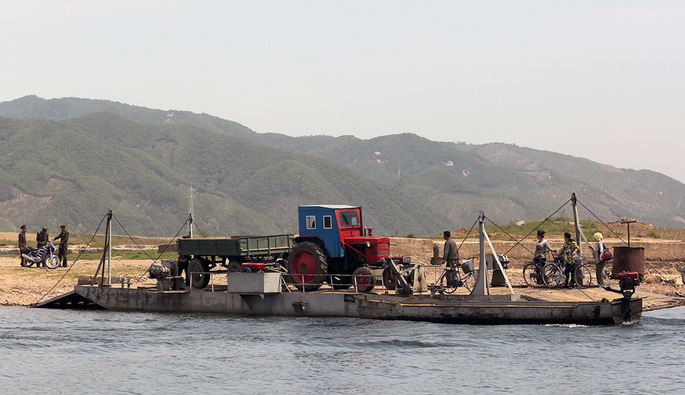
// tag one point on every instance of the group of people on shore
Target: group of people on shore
(42, 239)
(567, 255)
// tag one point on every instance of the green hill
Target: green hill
(453, 180)
(143, 172)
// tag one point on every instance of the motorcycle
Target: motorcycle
(44, 255)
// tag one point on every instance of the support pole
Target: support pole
(109, 247)
(576, 221)
(499, 264)
(482, 287)
(191, 211)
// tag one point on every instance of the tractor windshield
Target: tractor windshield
(349, 218)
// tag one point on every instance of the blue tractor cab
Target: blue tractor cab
(321, 222)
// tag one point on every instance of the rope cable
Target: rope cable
(73, 263)
(165, 248)
(537, 227)
(510, 236)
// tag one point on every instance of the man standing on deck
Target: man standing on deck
(22, 243)
(451, 254)
(63, 237)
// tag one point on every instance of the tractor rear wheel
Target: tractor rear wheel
(307, 266)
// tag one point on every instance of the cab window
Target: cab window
(327, 222)
(349, 218)
(311, 222)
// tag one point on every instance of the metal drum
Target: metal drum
(628, 259)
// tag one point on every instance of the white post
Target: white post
(494, 254)
(482, 287)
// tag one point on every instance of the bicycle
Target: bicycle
(532, 272)
(553, 275)
(451, 278)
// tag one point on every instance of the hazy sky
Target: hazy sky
(603, 80)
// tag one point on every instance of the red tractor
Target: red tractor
(334, 246)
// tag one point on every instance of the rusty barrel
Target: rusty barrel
(628, 259)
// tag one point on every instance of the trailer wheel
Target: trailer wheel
(363, 279)
(234, 266)
(198, 271)
(307, 266)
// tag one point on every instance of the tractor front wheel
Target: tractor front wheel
(363, 279)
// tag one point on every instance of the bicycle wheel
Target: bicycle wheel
(607, 280)
(583, 276)
(452, 281)
(469, 280)
(552, 275)
(530, 276)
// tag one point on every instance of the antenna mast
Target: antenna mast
(191, 211)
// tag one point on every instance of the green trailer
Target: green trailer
(199, 256)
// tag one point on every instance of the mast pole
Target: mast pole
(191, 210)
(109, 247)
(576, 221)
(481, 287)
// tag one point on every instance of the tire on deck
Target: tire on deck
(307, 266)
(197, 270)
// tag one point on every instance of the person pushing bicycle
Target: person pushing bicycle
(566, 256)
(450, 255)
(542, 247)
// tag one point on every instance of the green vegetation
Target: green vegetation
(129, 255)
(141, 162)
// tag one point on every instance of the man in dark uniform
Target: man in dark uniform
(451, 258)
(451, 254)
(22, 243)
(42, 237)
(63, 237)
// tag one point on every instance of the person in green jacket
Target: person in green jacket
(63, 237)
(22, 243)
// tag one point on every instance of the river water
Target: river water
(76, 352)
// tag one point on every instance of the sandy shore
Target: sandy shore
(24, 286)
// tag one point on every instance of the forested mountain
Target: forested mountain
(143, 172)
(431, 184)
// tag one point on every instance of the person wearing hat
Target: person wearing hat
(566, 255)
(599, 263)
(22, 243)
(63, 237)
(42, 237)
